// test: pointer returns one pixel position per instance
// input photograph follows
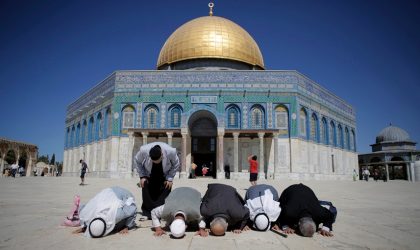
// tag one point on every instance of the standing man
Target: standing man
(83, 171)
(14, 169)
(223, 207)
(253, 169)
(301, 209)
(261, 200)
(157, 164)
(181, 209)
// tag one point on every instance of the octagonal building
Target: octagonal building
(212, 98)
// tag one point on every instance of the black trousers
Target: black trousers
(153, 195)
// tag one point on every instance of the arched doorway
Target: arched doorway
(23, 161)
(203, 129)
(397, 169)
(10, 159)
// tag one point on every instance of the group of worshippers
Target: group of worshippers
(220, 209)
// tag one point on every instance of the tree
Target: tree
(44, 159)
(52, 162)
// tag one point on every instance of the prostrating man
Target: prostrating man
(301, 209)
(157, 164)
(113, 209)
(222, 206)
(261, 200)
(181, 208)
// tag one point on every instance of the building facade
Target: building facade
(22, 153)
(213, 100)
(393, 155)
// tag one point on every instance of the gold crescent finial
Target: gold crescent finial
(211, 5)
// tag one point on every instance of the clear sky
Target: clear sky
(52, 51)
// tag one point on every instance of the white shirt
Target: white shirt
(157, 214)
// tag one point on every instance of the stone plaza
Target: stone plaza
(371, 215)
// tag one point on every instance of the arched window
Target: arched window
(314, 128)
(73, 132)
(332, 135)
(128, 117)
(302, 122)
(78, 134)
(175, 116)
(340, 142)
(107, 123)
(85, 132)
(257, 117)
(98, 127)
(324, 131)
(233, 117)
(90, 129)
(347, 140)
(82, 132)
(151, 116)
(353, 140)
(282, 118)
(68, 138)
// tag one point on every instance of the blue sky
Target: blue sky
(51, 52)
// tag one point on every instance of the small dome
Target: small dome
(392, 134)
(210, 37)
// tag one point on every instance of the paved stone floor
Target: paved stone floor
(371, 215)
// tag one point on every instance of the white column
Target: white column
(413, 174)
(235, 154)
(387, 172)
(2, 162)
(29, 167)
(407, 167)
(115, 149)
(170, 134)
(261, 174)
(183, 173)
(130, 148)
(144, 134)
(103, 157)
(220, 160)
(276, 154)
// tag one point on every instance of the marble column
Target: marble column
(183, 173)
(413, 174)
(130, 149)
(387, 172)
(144, 134)
(170, 135)
(261, 174)
(29, 167)
(235, 154)
(276, 154)
(220, 152)
(407, 167)
(2, 162)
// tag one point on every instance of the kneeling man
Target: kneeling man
(181, 208)
(113, 209)
(301, 209)
(261, 200)
(222, 206)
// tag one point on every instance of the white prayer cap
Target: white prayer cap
(97, 228)
(178, 228)
(261, 222)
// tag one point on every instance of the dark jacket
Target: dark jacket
(223, 201)
(299, 201)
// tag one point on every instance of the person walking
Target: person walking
(83, 171)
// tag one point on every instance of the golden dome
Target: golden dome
(210, 37)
